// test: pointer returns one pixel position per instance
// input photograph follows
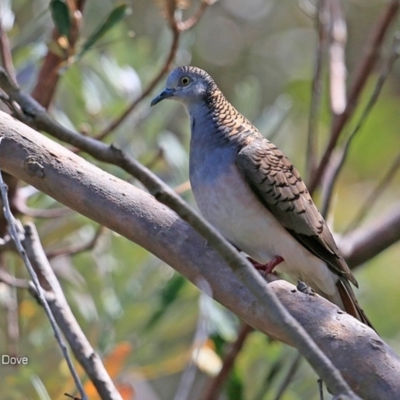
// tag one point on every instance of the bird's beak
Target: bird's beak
(165, 94)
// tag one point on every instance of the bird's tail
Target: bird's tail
(350, 303)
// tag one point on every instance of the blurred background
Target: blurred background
(139, 314)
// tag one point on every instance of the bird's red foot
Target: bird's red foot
(269, 266)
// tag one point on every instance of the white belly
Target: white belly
(231, 206)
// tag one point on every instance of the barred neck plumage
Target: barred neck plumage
(229, 122)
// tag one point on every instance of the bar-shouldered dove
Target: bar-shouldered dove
(249, 190)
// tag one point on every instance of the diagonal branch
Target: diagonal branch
(177, 27)
(337, 64)
(14, 229)
(11, 280)
(139, 217)
(195, 18)
(294, 365)
(78, 248)
(375, 194)
(361, 76)
(5, 51)
(317, 84)
(214, 387)
(81, 347)
(363, 244)
(339, 157)
(48, 75)
(164, 69)
(239, 265)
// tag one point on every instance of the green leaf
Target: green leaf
(61, 17)
(115, 16)
(168, 295)
(234, 386)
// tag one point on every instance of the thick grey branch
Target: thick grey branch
(241, 267)
(140, 218)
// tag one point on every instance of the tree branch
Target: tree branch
(337, 63)
(375, 194)
(15, 233)
(361, 76)
(137, 216)
(48, 75)
(339, 156)
(5, 51)
(177, 27)
(239, 265)
(317, 84)
(214, 387)
(77, 340)
(363, 244)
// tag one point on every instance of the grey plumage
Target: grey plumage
(249, 190)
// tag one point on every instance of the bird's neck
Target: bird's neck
(215, 122)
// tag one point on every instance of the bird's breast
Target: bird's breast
(228, 202)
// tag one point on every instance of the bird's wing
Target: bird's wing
(279, 186)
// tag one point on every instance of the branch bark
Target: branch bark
(360, 78)
(62, 313)
(350, 345)
(241, 267)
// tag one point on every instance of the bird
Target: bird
(250, 191)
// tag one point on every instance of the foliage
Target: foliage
(137, 312)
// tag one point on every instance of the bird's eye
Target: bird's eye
(185, 81)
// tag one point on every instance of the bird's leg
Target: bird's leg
(269, 266)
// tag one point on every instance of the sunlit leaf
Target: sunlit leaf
(168, 295)
(115, 16)
(234, 387)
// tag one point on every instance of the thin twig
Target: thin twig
(164, 69)
(241, 267)
(340, 156)
(289, 376)
(12, 321)
(215, 385)
(156, 158)
(195, 18)
(320, 383)
(182, 188)
(374, 196)
(5, 50)
(317, 84)
(360, 245)
(77, 340)
(337, 64)
(10, 280)
(48, 75)
(137, 216)
(12, 184)
(78, 248)
(200, 337)
(44, 213)
(177, 27)
(14, 229)
(366, 66)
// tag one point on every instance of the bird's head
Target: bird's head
(187, 85)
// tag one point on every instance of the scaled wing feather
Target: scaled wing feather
(279, 186)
